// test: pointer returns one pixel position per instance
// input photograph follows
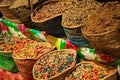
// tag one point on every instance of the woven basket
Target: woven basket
(108, 41)
(51, 25)
(34, 11)
(74, 34)
(7, 14)
(25, 65)
(112, 76)
(23, 12)
(61, 75)
(7, 54)
(26, 75)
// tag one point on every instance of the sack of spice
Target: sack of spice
(26, 56)
(73, 19)
(6, 60)
(49, 10)
(103, 29)
(92, 71)
(6, 12)
(72, 26)
(54, 65)
(47, 16)
(21, 9)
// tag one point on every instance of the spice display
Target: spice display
(4, 2)
(90, 71)
(20, 43)
(10, 44)
(76, 15)
(33, 50)
(105, 19)
(6, 45)
(53, 64)
(72, 17)
(51, 9)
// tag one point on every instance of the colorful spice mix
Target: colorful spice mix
(51, 9)
(33, 50)
(6, 45)
(53, 63)
(10, 43)
(90, 71)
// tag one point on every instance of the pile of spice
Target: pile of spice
(51, 9)
(105, 19)
(33, 50)
(53, 64)
(76, 15)
(6, 2)
(73, 17)
(90, 71)
(5, 44)
(10, 43)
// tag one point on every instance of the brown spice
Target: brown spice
(51, 9)
(77, 14)
(105, 19)
(6, 2)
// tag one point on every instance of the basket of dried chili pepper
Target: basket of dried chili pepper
(54, 65)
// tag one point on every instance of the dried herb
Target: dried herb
(105, 19)
(51, 9)
(6, 2)
(76, 16)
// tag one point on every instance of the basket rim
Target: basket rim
(90, 62)
(40, 21)
(69, 68)
(98, 34)
(52, 48)
(8, 5)
(6, 52)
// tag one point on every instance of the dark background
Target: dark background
(0, 14)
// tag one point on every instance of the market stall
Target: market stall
(60, 40)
